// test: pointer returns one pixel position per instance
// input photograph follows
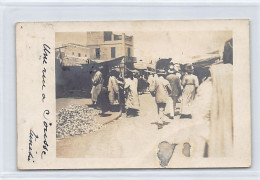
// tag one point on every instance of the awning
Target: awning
(207, 60)
(206, 57)
(110, 63)
(163, 63)
(115, 60)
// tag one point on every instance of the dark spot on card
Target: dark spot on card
(165, 152)
(186, 149)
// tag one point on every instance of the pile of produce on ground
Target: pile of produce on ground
(76, 120)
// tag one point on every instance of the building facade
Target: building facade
(106, 45)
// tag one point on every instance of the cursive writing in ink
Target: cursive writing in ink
(46, 112)
(46, 52)
(32, 136)
(45, 143)
(43, 77)
(43, 83)
(45, 136)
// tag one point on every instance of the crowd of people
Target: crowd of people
(170, 87)
(209, 104)
(211, 133)
(167, 87)
(111, 90)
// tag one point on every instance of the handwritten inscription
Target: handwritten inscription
(46, 113)
(43, 77)
(45, 136)
(46, 52)
(32, 136)
(45, 116)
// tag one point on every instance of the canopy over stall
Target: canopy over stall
(163, 64)
(75, 80)
(116, 64)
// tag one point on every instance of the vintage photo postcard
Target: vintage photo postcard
(133, 94)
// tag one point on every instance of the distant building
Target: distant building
(100, 46)
(106, 45)
(76, 50)
(74, 62)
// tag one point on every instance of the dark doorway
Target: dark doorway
(97, 53)
(128, 52)
(113, 52)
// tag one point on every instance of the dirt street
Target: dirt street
(125, 137)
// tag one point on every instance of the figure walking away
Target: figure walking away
(190, 84)
(161, 89)
(175, 83)
(131, 95)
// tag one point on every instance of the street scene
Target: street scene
(121, 95)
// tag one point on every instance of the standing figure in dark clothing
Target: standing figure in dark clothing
(175, 83)
(103, 99)
(139, 85)
(121, 83)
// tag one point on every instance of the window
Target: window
(72, 53)
(79, 54)
(113, 52)
(117, 37)
(128, 52)
(97, 53)
(107, 35)
(128, 38)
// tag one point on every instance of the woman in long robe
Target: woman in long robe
(132, 100)
(190, 83)
(97, 84)
(113, 88)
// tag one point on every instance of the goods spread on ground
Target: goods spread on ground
(76, 120)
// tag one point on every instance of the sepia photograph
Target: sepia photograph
(122, 93)
(134, 94)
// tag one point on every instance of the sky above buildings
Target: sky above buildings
(70, 37)
(171, 44)
(178, 45)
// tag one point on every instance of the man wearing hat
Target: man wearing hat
(175, 83)
(151, 79)
(161, 90)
